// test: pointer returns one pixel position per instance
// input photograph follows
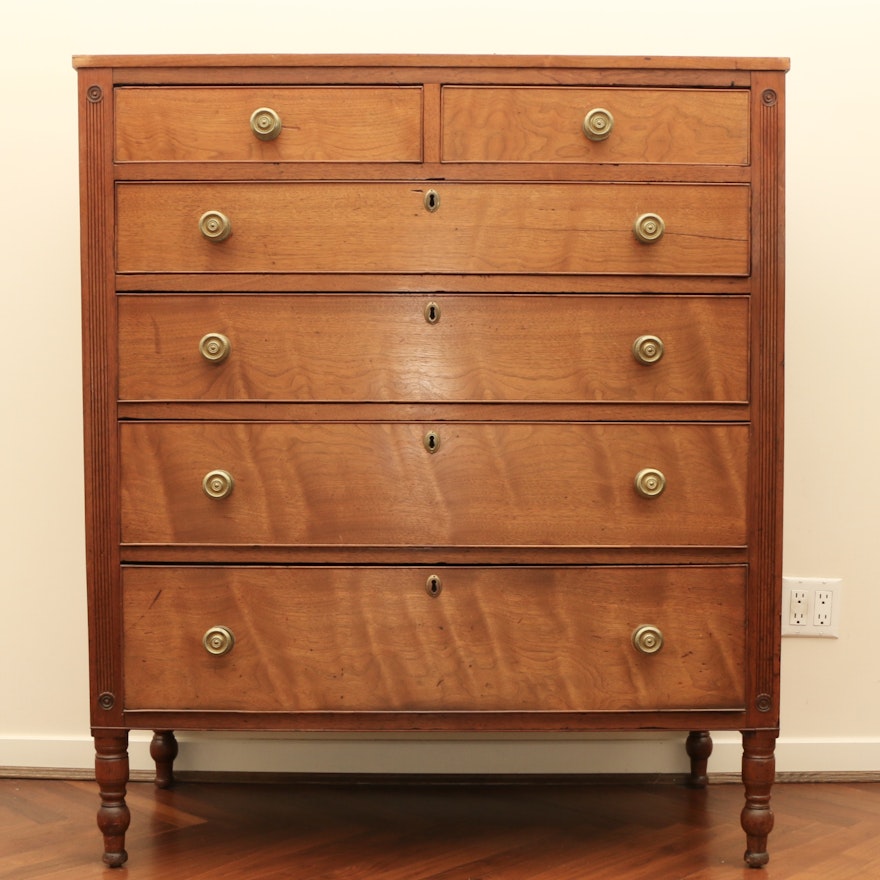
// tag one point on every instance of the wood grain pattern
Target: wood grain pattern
(492, 639)
(380, 348)
(378, 124)
(545, 125)
(375, 484)
(367, 226)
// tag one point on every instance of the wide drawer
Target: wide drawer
(476, 228)
(446, 484)
(419, 639)
(317, 124)
(687, 126)
(400, 347)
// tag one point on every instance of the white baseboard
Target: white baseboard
(601, 754)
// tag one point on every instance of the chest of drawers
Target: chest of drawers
(432, 393)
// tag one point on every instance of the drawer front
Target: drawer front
(446, 484)
(547, 125)
(325, 124)
(508, 228)
(381, 639)
(367, 347)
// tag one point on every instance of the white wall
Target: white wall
(831, 689)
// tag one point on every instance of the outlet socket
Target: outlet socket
(811, 607)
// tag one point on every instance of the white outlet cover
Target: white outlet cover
(811, 586)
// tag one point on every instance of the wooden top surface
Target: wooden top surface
(415, 60)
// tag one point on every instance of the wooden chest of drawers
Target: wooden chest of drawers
(433, 393)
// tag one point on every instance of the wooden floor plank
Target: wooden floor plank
(221, 831)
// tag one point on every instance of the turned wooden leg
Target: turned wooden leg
(758, 772)
(163, 750)
(699, 748)
(111, 773)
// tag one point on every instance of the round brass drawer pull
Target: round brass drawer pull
(218, 484)
(647, 639)
(598, 124)
(650, 483)
(265, 123)
(215, 226)
(218, 640)
(214, 347)
(648, 350)
(649, 228)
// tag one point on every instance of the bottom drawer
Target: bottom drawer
(433, 639)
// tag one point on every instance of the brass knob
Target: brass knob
(432, 200)
(214, 347)
(218, 640)
(647, 639)
(598, 124)
(432, 441)
(649, 228)
(215, 226)
(218, 484)
(648, 349)
(265, 124)
(650, 483)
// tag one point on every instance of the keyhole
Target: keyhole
(433, 586)
(432, 441)
(432, 313)
(432, 200)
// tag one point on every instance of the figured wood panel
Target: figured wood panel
(332, 124)
(365, 226)
(546, 125)
(487, 484)
(373, 639)
(373, 347)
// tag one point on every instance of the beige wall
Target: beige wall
(831, 689)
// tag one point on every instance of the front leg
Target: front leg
(111, 773)
(758, 773)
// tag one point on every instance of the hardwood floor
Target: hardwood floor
(221, 831)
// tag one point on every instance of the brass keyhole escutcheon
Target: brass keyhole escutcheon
(432, 313)
(647, 639)
(432, 200)
(433, 586)
(218, 640)
(432, 441)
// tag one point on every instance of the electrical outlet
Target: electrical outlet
(811, 607)
(797, 607)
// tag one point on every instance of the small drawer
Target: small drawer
(457, 228)
(657, 126)
(433, 348)
(412, 484)
(416, 639)
(280, 124)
